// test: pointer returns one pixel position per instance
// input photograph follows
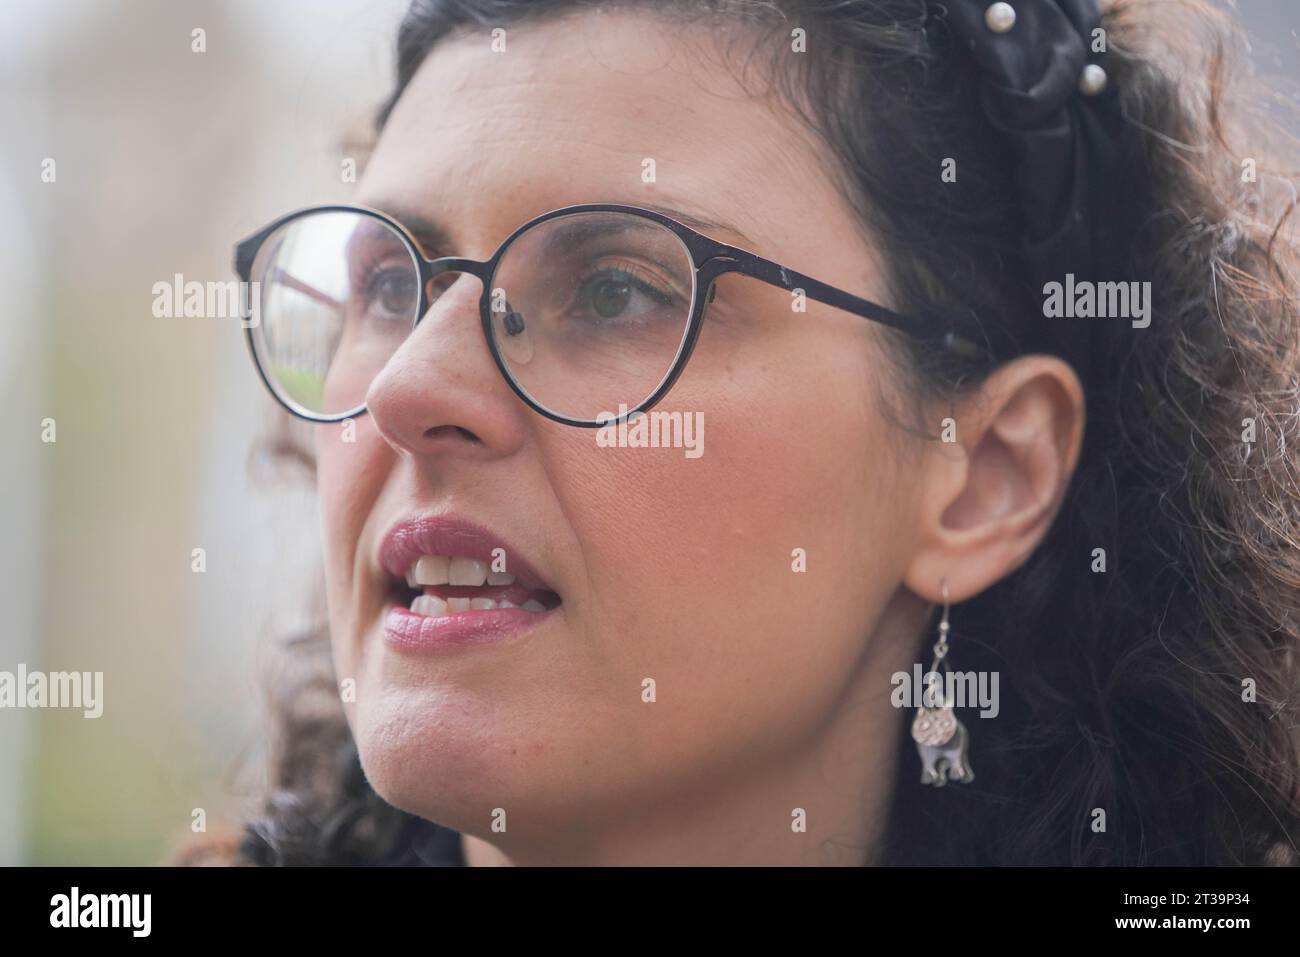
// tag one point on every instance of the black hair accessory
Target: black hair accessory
(1044, 88)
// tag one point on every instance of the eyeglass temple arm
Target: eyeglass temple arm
(246, 249)
(774, 274)
(311, 292)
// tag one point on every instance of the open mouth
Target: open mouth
(438, 585)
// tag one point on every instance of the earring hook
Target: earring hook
(941, 646)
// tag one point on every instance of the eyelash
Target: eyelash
(637, 276)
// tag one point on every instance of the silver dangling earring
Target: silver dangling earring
(941, 739)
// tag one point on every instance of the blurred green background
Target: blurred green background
(164, 156)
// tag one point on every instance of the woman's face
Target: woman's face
(691, 658)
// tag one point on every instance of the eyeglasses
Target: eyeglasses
(587, 310)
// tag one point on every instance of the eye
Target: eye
(394, 290)
(621, 292)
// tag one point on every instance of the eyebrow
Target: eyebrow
(435, 237)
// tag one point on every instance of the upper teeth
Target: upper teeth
(454, 570)
(434, 607)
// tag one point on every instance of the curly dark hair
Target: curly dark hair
(1129, 687)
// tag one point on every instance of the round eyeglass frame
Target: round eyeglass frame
(709, 257)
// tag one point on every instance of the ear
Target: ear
(989, 496)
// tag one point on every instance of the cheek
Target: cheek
(744, 581)
(350, 476)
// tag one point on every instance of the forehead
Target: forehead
(598, 107)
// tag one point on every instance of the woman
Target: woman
(1016, 350)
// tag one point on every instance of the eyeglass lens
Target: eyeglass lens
(588, 311)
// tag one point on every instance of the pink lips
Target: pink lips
(446, 535)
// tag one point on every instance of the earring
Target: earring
(941, 739)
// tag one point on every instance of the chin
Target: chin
(424, 762)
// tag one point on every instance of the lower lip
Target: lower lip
(404, 630)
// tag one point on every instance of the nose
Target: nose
(441, 392)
